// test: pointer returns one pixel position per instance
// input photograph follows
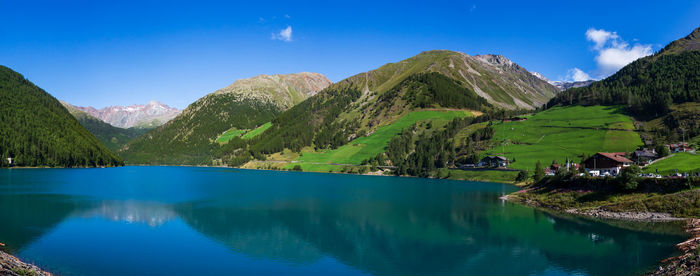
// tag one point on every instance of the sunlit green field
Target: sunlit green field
(243, 133)
(682, 161)
(257, 131)
(229, 134)
(367, 147)
(559, 132)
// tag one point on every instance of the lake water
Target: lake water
(202, 221)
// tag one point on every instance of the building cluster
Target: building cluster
(600, 164)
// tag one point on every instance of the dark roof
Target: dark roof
(495, 157)
(615, 157)
(645, 153)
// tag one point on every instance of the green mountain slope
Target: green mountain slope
(648, 86)
(190, 138)
(36, 130)
(562, 132)
(661, 91)
(358, 105)
(112, 137)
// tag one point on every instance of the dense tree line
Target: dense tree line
(297, 127)
(422, 154)
(648, 86)
(189, 137)
(36, 130)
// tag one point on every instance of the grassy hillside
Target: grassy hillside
(243, 133)
(229, 134)
(369, 146)
(435, 79)
(257, 131)
(112, 137)
(36, 130)
(559, 132)
(680, 162)
(191, 138)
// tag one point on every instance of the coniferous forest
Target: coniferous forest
(36, 130)
(648, 86)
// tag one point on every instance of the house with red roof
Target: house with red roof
(606, 163)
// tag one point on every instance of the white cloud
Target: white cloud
(472, 8)
(600, 37)
(612, 53)
(576, 74)
(284, 35)
(612, 59)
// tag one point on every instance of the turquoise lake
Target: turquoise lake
(203, 221)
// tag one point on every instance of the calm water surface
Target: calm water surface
(194, 221)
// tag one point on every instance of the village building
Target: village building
(606, 163)
(680, 147)
(568, 165)
(644, 156)
(493, 161)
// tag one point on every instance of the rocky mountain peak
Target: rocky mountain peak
(152, 114)
(283, 90)
(497, 60)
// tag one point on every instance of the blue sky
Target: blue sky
(120, 53)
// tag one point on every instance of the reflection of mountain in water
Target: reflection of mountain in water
(28, 217)
(470, 233)
(153, 214)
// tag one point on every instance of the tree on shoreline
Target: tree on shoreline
(539, 172)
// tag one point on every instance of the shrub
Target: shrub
(628, 179)
(539, 172)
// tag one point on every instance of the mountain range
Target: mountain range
(264, 116)
(112, 137)
(150, 115)
(437, 80)
(245, 104)
(564, 85)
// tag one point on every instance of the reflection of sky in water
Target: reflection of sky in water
(170, 220)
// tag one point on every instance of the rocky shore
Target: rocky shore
(635, 216)
(688, 263)
(11, 266)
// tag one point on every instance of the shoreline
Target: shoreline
(686, 263)
(13, 266)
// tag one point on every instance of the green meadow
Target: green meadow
(257, 131)
(369, 146)
(229, 134)
(246, 133)
(682, 161)
(559, 132)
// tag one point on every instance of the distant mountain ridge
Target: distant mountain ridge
(564, 85)
(245, 104)
(150, 115)
(110, 136)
